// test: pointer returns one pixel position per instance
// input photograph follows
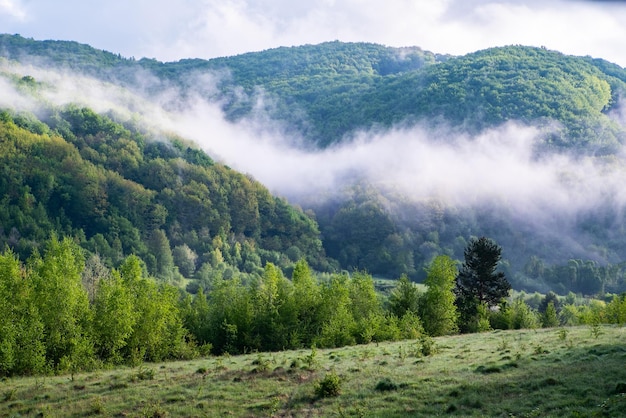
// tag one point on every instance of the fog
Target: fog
(499, 166)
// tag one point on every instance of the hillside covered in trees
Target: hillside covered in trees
(85, 165)
(120, 191)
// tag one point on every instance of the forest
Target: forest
(65, 313)
(115, 230)
(325, 95)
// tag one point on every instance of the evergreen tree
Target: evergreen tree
(478, 283)
(550, 317)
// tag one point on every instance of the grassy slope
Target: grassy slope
(549, 372)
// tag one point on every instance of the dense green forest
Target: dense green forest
(118, 192)
(63, 313)
(162, 198)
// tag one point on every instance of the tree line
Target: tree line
(61, 312)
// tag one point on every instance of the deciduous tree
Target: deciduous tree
(439, 313)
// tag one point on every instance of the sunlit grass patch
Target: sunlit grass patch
(519, 373)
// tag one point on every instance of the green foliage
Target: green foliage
(385, 385)
(329, 386)
(122, 192)
(479, 286)
(519, 315)
(113, 182)
(63, 304)
(438, 310)
(478, 276)
(54, 327)
(404, 297)
(550, 317)
(616, 310)
(114, 317)
(22, 349)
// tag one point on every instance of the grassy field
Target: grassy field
(549, 372)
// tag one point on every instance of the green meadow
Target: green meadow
(569, 371)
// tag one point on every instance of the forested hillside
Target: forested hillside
(324, 97)
(119, 191)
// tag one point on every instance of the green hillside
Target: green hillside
(325, 94)
(328, 90)
(120, 191)
(547, 373)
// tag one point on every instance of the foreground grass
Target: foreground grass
(550, 372)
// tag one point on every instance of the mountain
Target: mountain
(120, 190)
(327, 97)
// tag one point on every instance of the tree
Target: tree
(306, 300)
(478, 283)
(159, 246)
(22, 349)
(185, 259)
(63, 304)
(439, 313)
(365, 307)
(550, 317)
(114, 317)
(404, 297)
(157, 332)
(551, 297)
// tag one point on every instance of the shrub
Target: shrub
(425, 346)
(385, 385)
(144, 374)
(329, 386)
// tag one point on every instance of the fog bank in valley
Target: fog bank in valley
(499, 167)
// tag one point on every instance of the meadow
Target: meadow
(566, 371)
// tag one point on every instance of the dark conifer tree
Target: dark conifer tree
(478, 282)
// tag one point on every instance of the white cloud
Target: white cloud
(442, 26)
(170, 30)
(13, 8)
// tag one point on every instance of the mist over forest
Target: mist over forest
(397, 154)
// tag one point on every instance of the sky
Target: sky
(170, 30)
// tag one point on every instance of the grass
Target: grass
(524, 373)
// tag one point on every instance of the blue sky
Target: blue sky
(175, 29)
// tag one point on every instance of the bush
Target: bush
(329, 386)
(425, 346)
(386, 385)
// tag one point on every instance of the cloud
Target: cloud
(13, 9)
(499, 166)
(169, 30)
(442, 26)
